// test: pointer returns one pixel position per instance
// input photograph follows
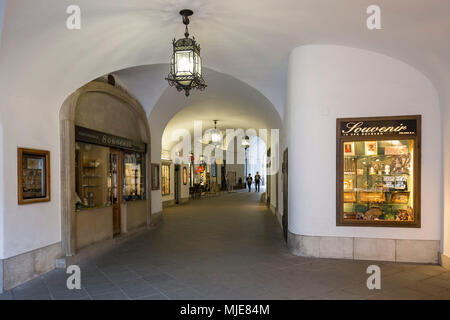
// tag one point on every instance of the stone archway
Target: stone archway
(67, 133)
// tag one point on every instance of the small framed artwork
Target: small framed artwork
(349, 148)
(371, 148)
(33, 175)
(155, 176)
(184, 176)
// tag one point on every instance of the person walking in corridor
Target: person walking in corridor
(249, 182)
(257, 181)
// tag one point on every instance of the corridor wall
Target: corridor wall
(326, 82)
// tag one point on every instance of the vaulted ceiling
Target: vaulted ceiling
(248, 40)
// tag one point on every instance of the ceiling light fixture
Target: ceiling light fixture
(186, 63)
(215, 135)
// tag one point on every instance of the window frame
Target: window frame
(168, 165)
(416, 137)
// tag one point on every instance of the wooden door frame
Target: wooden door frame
(119, 190)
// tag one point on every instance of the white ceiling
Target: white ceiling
(248, 40)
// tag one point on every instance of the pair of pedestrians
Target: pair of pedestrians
(250, 181)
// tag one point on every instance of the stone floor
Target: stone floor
(229, 247)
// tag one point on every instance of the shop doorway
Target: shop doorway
(285, 218)
(116, 187)
(177, 183)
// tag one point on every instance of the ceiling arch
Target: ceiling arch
(249, 40)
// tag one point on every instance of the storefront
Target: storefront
(105, 135)
(109, 171)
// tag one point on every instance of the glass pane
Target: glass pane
(33, 175)
(165, 179)
(184, 63)
(134, 178)
(378, 180)
(93, 176)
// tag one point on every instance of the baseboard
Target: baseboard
(395, 250)
(19, 269)
(1, 275)
(168, 203)
(445, 261)
(99, 248)
(277, 214)
(155, 219)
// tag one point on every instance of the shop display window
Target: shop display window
(92, 176)
(134, 177)
(379, 171)
(165, 179)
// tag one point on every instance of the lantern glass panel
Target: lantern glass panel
(184, 63)
(198, 64)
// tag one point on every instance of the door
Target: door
(116, 188)
(285, 219)
(177, 183)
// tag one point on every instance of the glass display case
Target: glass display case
(134, 177)
(378, 161)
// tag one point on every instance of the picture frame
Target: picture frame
(349, 148)
(371, 148)
(155, 176)
(33, 176)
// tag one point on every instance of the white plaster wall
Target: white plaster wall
(327, 82)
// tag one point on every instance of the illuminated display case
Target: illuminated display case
(378, 171)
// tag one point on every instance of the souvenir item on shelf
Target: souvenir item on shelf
(401, 164)
(349, 166)
(350, 215)
(372, 214)
(396, 150)
(376, 197)
(349, 197)
(405, 215)
(400, 197)
(348, 184)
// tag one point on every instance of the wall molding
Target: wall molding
(395, 250)
(19, 269)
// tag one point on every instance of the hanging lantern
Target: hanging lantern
(216, 136)
(246, 142)
(186, 63)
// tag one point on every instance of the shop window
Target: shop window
(134, 177)
(92, 176)
(379, 171)
(165, 179)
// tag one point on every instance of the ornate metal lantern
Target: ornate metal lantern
(186, 64)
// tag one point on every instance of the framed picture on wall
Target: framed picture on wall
(184, 176)
(33, 175)
(155, 176)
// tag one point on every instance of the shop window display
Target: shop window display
(92, 176)
(134, 177)
(378, 172)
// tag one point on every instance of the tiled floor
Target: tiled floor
(229, 247)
